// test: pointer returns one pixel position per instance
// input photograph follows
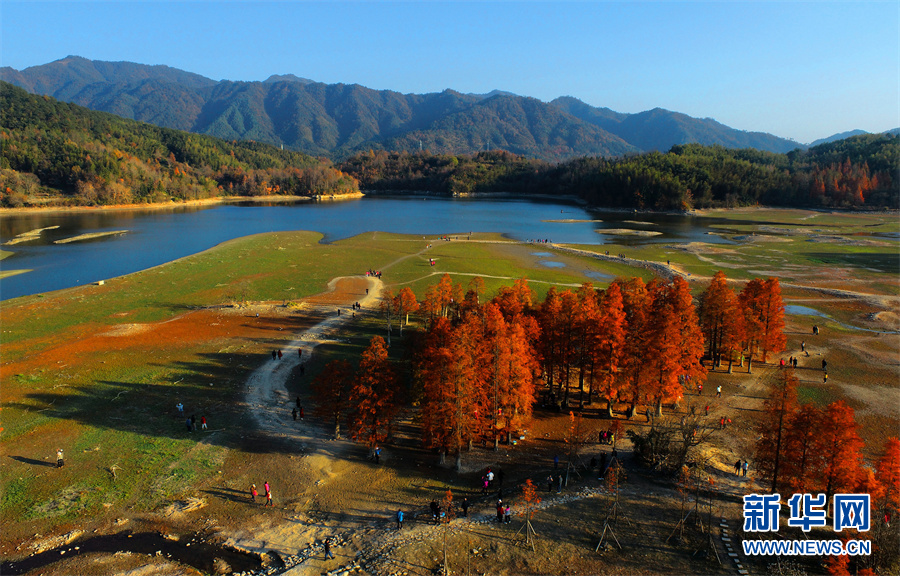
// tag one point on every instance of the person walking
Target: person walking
(274, 355)
(203, 422)
(268, 499)
(550, 483)
(719, 391)
(59, 458)
(500, 511)
(377, 455)
(253, 493)
(465, 507)
(180, 408)
(279, 354)
(190, 427)
(399, 519)
(744, 467)
(294, 414)
(507, 514)
(328, 553)
(737, 467)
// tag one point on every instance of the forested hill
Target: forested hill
(51, 148)
(339, 120)
(856, 172)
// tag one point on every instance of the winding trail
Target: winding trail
(266, 385)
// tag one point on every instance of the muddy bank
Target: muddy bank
(199, 550)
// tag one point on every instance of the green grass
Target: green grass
(124, 407)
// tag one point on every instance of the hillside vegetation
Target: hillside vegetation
(53, 149)
(855, 172)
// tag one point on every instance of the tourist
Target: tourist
(203, 422)
(399, 519)
(328, 553)
(59, 458)
(253, 492)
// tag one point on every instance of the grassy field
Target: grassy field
(80, 366)
(97, 370)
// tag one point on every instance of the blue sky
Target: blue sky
(800, 70)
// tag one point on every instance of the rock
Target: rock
(221, 566)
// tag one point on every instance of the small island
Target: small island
(91, 236)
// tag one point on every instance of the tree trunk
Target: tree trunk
(609, 408)
(496, 443)
(750, 365)
(458, 460)
(659, 407)
(730, 363)
(443, 458)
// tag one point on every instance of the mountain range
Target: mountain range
(338, 120)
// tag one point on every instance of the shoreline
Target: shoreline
(205, 202)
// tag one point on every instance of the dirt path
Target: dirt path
(266, 386)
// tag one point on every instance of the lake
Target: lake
(155, 237)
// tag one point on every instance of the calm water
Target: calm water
(157, 236)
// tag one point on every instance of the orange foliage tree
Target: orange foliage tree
(374, 395)
(840, 449)
(450, 372)
(801, 440)
(405, 303)
(721, 319)
(637, 374)
(611, 343)
(770, 446)
(764, 316)
(329, 390)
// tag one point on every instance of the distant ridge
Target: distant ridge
(338, 120)
(836, 137)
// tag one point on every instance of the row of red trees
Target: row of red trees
(807, 448)
(480, 364)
